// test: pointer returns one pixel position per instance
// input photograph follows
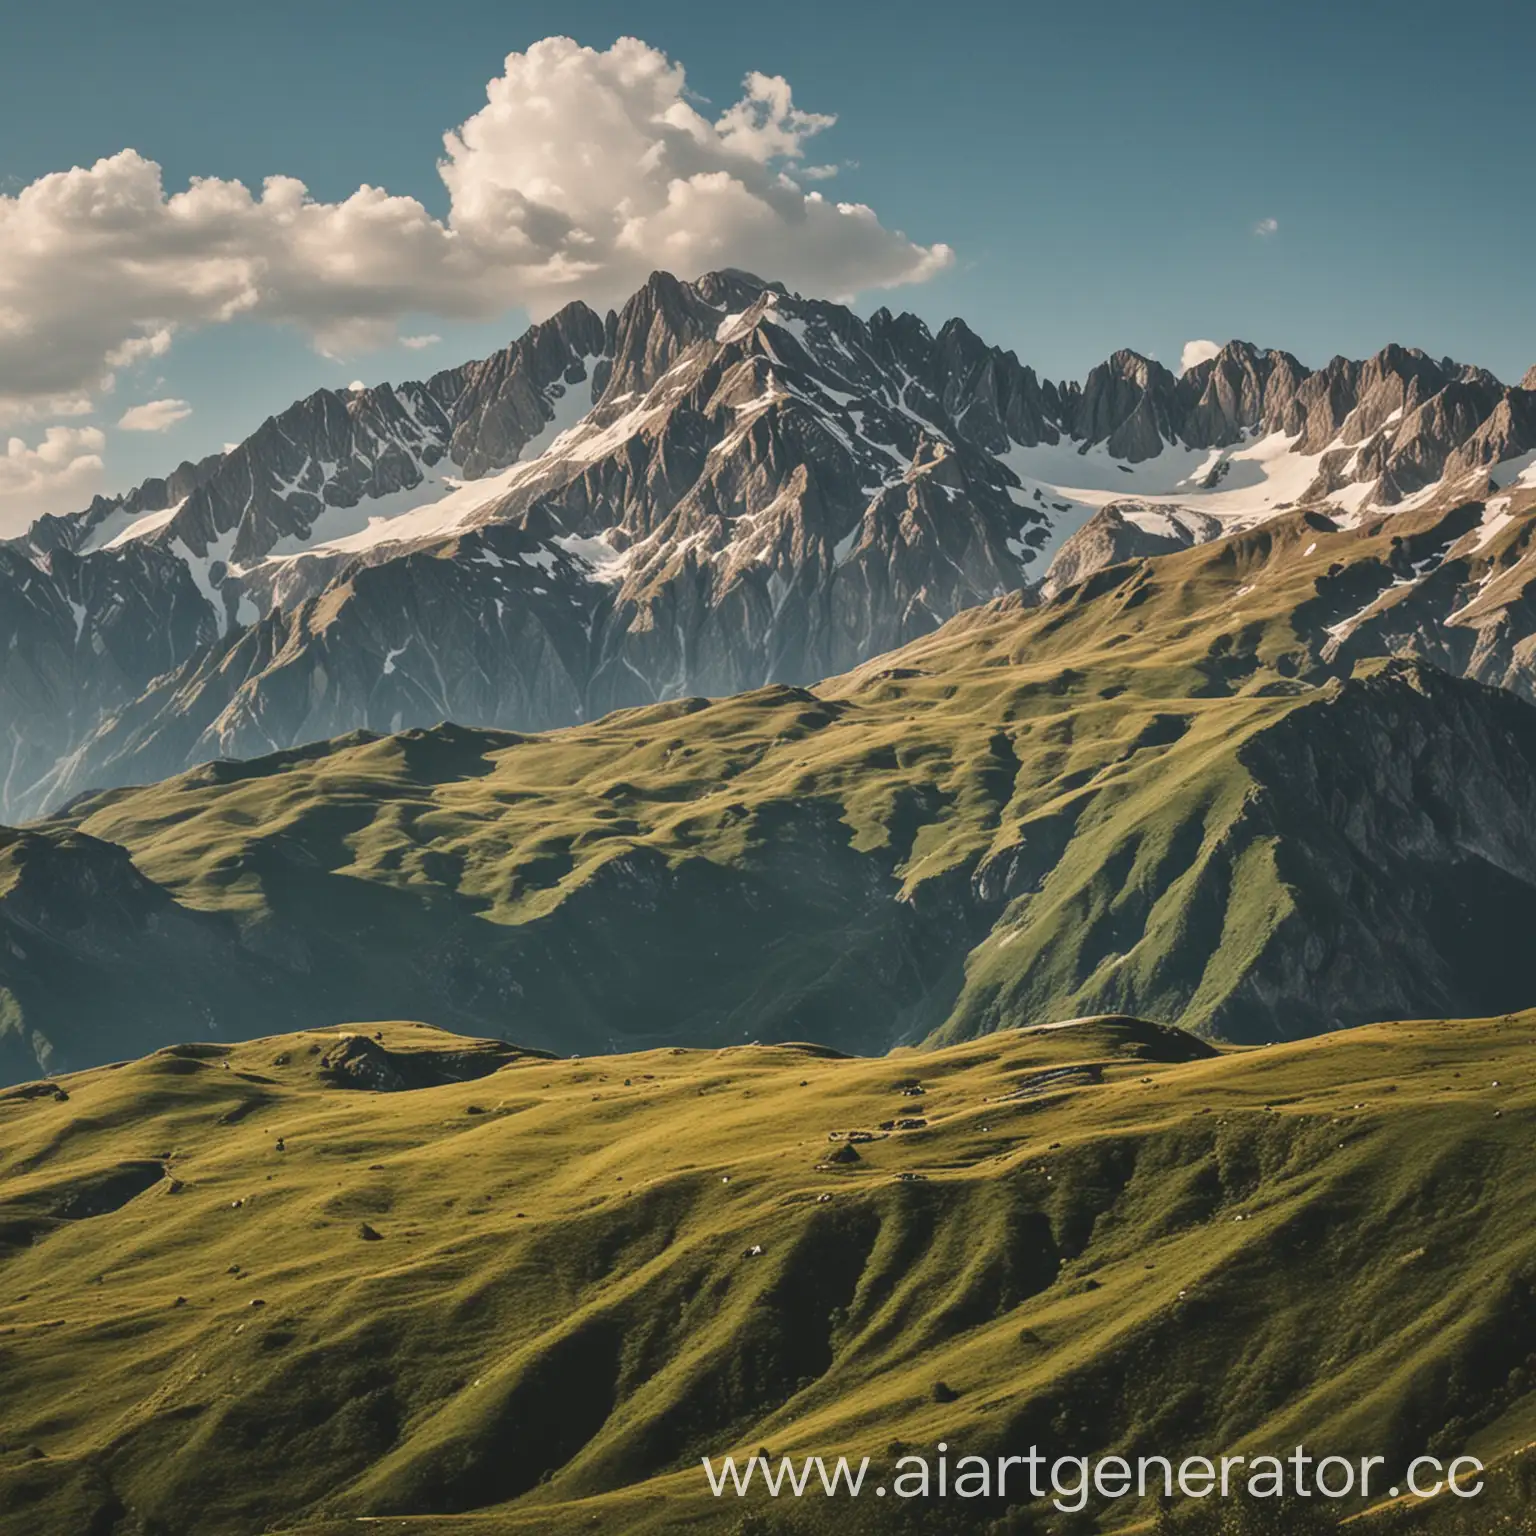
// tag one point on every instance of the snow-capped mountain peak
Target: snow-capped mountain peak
(720, 484)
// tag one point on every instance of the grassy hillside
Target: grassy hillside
(1162, 793)
(282, 1285)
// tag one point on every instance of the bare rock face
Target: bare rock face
(502, 404)
(1126, 530)
(1507, 432)
(80, 637)
(356, 1061)
(719, 485)
(1127, 403)
(1239, 391)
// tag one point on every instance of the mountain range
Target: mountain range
(717, 487)
(1168, 790)
(468, 799)
(731, 667)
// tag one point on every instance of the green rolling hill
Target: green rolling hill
(455, 1288)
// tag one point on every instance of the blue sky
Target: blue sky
(1100, 173)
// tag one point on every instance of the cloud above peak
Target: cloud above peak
(60, 474)
(1195, 353)
(584, 171)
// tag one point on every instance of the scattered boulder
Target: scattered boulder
(38, 1090)
(355, 1061)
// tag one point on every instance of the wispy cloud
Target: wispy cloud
(154, 416)
(1266, 227)
(416, 343)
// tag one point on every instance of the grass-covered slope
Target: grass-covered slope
(1161, 793)
(283, 1285)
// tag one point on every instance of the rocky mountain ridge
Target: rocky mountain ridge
(717, 486)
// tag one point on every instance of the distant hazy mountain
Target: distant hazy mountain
(719, 486)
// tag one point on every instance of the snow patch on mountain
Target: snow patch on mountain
(439, 506)
(370, 521)
(1239, 485)
(201, 568)
(442, 504)
(121, 527)
(603, 561)
(1515, 475)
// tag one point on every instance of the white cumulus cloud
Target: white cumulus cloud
(1266, 227)
(1195, 353)
(154, 416)
(60, 474)
(584, 171)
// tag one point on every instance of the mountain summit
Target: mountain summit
(718, 486)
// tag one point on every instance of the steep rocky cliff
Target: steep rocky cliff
(719, 485)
